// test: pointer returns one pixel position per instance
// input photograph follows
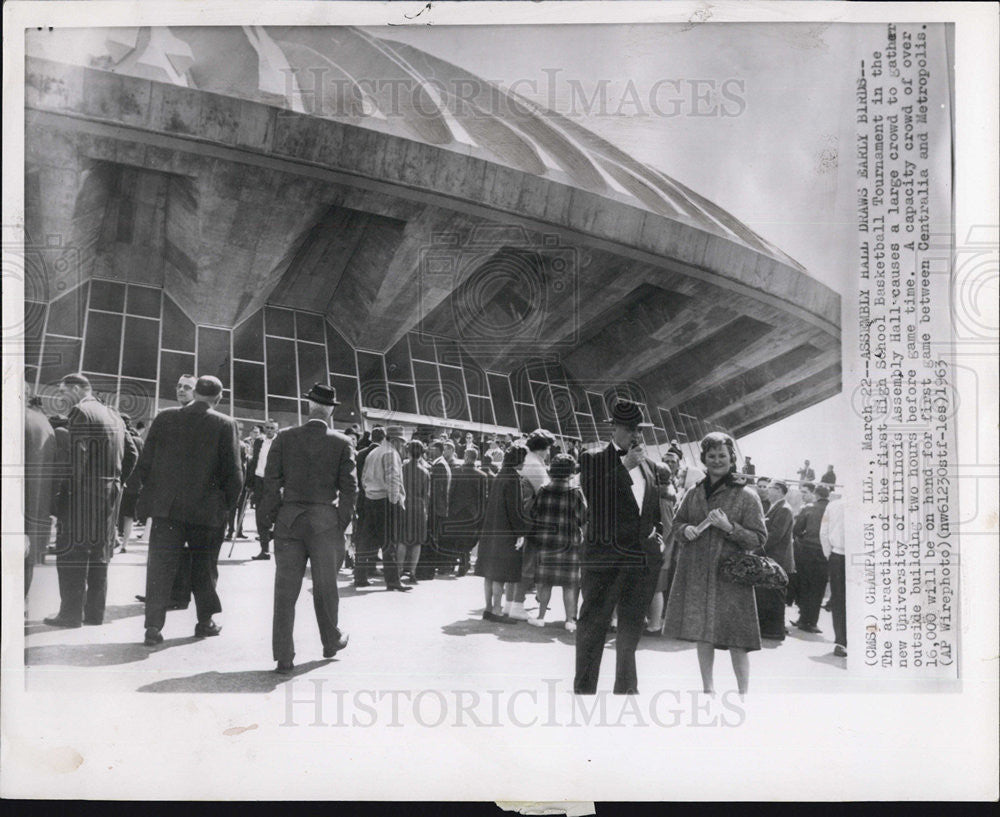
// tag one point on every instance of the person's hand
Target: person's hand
(690, 532)
(720, 520)
(633, 457)
(656, 538)
(519, 543)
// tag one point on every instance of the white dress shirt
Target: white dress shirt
(638, 482)
(262, 459)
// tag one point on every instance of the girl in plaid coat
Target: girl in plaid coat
(558, 512)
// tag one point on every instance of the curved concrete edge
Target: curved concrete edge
(462, 182)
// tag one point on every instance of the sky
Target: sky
(782, 164)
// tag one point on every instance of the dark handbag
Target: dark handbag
(751, 570)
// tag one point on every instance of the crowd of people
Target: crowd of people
(640, 540)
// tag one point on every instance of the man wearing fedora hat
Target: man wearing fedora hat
(622, 552)
(385, 499)
(309, 493)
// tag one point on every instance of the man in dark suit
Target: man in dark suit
(191, 478)
(466, 510)
(309, 490)
(811, 565)
(622, 551)
(771, 602)
(431, 557)
(101, 457)
(255, 471)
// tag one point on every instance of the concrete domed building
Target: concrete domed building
(280, 206)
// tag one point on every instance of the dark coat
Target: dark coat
(617, 534)
(101, 457)
(506, 521)
(779, 521)
(467, 506)
(440, 487)
(309, 465)
(190, 467)
(417, 484)
(39, 477)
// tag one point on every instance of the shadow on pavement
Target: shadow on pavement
(96, 655)
(511, 631)
(661, 643)
(830, 660)
(252, 681)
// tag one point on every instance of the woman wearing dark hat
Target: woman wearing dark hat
(499, 561)
(558, 512)
(716, 614)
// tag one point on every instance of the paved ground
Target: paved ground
(430, 638)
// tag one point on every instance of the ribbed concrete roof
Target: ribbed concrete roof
(349, 75)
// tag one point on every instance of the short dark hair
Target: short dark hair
(781, 486)
(563, 466)
(208, 386)
(514, 456)
(415, 449)
(717, 439)
(808, 486)
(76, 380)
(822, 492)
(378, 434)
(540, 439)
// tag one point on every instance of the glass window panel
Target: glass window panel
(546, 407)
(536, 371)
(588, 429)
(279, 322)
(66, 314)
(105, 387)
(60, 357)
(34, 321)
(397, 363)
(312, 366)
(580, 402)
(142, 338)
(475, 380)
(371, 369)
(482, 410)
(137, 398)
(107, 295)
(248, 388)
(347, 395)
(248, 338)
(172, 366)
(555, 372)
(143, 301)
(448, 352)
(103, 344)
(527, 419)
(456, 406)
(281, 367)
(668, 423)
(309, 327)
(503, 403)
(649, 436)
(403, 398)
(375, 395)
(178, 329)
(213, 354)
(661, 436)
(340, 352)
(428, 389)
(519, 385)
(564, 411)
(284, 411)
(422, 347)
(597, 409)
